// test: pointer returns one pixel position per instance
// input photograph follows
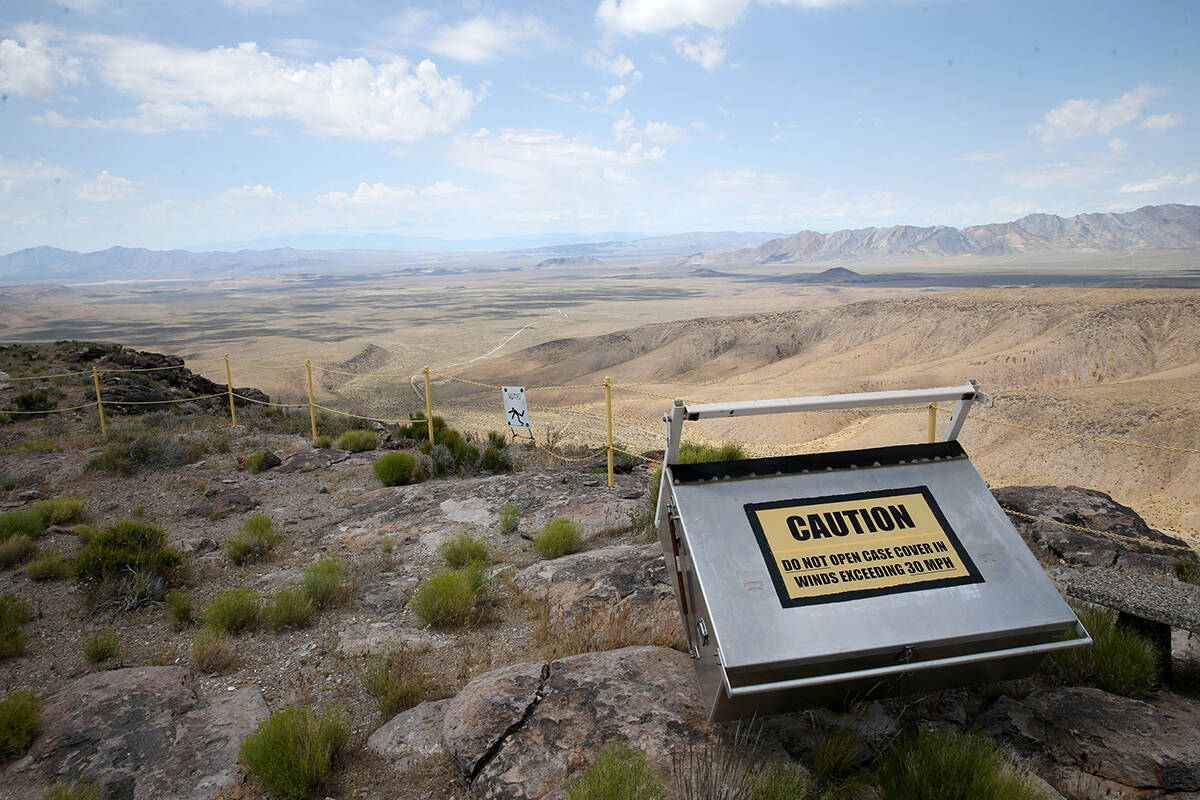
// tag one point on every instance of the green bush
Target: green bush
(100, 646)
(60, 510)
(291, 752)
(17, 523)
(463, 548)
(179, 606)
(477, 575)
(558, 537)
(509, 516)
(444, 600)
(1187, 568)
(289, 608)
(234, 611)
(324, 582)
(14, 612)
(256, 461)
(358, 440)
(128, 561)
(128, 456)
(1119, 661)
(19, 718)
(778, 780)
(35, 401)
(691, 453)
(397, 682)
(213, 652)
(16, 550)
(50, 567)
(620, 773)
(397, 469)
(252, 542)
(83, 789)
(323, 442)
(948, 765)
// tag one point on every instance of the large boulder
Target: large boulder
(1088, 743)
(574, 584)
(1130, 542)
(145, 733)
(520, 732)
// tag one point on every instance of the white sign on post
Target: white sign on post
(516, 411)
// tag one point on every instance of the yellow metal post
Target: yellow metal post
(932, 422)
(312, 411)
(428, 407)
(608, 414)
(229, 385)
(99, 402)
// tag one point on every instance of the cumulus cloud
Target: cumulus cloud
(381, 195)
(615, 93)
(549, 157)
(149, 118)
(626, 129)
(707, 51)
(105, 188)
(657, 16)
(1118, 145)
(1082, 117)
(617, 64)
(1159, 183)
(1157, 123)
(485, 38)
(35, 69)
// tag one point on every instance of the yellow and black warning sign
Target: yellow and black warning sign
(847, 546)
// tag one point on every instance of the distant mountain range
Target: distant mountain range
(1174, 227)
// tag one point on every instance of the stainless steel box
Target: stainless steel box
(815, 579)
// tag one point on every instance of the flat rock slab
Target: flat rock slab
(520, 732)
(145, 733)
(1177, 605)
(1103, 745)
(222, 506)
(307, 460)
(576, 583)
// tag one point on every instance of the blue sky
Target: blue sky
(186, 124)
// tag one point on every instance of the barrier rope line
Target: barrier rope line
(1084, 437)
(164, 402)
(261, 403)
(51, 410)
(1167, 545)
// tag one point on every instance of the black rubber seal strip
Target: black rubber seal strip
(817, 462)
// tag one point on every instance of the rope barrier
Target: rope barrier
(50, 410)
(252, 365)
(262, 403)
(1110, 535)
(161, 402)
(1084, 437)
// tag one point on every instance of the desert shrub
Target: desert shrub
(16, 550)
(14, 612)
(234, 611)
(256, 461)
(30, 446)
(50, 567)
(5, 419)
(128, 456)
(493, 460)
(778, 780)
(1119, 661)
(17, 523)
(1187, 568)
(291, 752)
(464, 548)
(19, 717)
(128, 561)
(948, 765)
(36, 401)
(692, 453)
(60, 510)
(179, 606)
(477, 575)
(358, 440)
(396, 681)
(419, 430)
(444, 600)
(324, 582)
(722, 769)
(214, 652)
(558, 537)
(289, 608)
(100, 646)
(323, 442)
(253, 541)
(397, 469)
(82, 789)
(609, 626)
(387, 544)
(509, 516)
(620, 773)
(138, 510)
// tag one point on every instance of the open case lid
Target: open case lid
(848, 559)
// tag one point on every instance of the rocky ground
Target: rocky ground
(559, 658)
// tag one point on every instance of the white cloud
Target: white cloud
(1160, 122)
(180, 87)
(1118, 145)
(105, 188)
(382, 196)
(265, 6)
(257, 191)
(617, 64)
(34, 68)
(657, 16)
(1075, 119)
(742, 178)
(615, 93)
(549, 158)
(485, 38)
(707, 51)
(1059, 174)
(625, 129)
(16, 174)
(1162, 182)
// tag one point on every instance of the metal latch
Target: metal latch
(702, 631)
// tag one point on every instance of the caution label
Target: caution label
(843, 547)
